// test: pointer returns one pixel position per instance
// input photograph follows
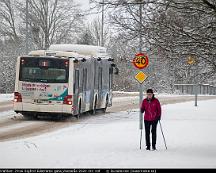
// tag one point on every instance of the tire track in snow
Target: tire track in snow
(27, 129)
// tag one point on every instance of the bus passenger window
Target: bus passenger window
(76, 80)
(110, 78)
(84, 79)
(100, 78)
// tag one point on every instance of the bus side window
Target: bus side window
(95, 78)
(76, 81)
(100, 78)
(84, 79)
(110, 78)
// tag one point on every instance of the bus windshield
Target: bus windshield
(45, 70)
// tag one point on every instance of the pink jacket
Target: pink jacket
(152, 109)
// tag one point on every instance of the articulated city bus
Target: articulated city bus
(64, 80)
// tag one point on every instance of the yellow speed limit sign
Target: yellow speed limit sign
(140, 61)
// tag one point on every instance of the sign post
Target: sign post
(192, 60)
(140, 61)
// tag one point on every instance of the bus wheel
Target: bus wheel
(106, 105)
(30, 116)
(93, 112)
(79, 112)
(59, 117)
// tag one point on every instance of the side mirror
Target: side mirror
(113, 65)
(83, 60)
(75, 60)
(111, 59)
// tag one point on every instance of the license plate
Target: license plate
(45, 101)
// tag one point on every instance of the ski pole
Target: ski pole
(163, 135)
(141, 140)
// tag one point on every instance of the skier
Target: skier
(152, 108)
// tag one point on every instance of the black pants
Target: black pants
(153, 126)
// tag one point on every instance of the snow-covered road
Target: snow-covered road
(15, 126)
(112, 141)
(6, 97)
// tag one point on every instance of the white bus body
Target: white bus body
(62, 83)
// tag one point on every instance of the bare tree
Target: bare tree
(50, 21)
(179, 28)
(8, 20)
(96, 29)
(92, 34)
(86, 38)
(184, 28)
(53, 21)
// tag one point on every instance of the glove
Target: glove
(159, 118)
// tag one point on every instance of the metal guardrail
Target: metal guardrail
(203, 89)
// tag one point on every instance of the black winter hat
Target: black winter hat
(149, 91)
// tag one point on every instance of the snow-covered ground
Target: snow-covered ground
(9, 97)
(122, 93)
(6, 97)
(6, 114)
(112, 141)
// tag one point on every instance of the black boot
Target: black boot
(148, 148)
(154, 147)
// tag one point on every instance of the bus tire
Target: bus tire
(29, 116)
(94, 110)
(79, 111)
(106, 105)
(59, 117)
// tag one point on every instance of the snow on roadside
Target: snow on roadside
(136, 94)
(119, 99)
(6, 97)
(9, 97)
(7, 114)
(112, 141)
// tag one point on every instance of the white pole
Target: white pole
(27, 30)
(196, 86)
(102, 25)
(140, 89)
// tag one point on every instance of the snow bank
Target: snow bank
(112, 141)
(6, 97)
(119, 93)
(7, 114)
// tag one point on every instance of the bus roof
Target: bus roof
(53, 53)
(91, 50)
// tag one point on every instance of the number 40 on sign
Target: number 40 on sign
(140, 61)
